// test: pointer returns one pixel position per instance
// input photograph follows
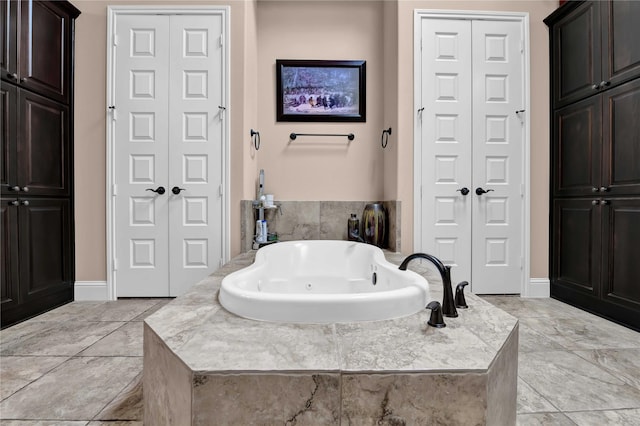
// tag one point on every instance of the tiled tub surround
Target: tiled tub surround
(203, 363)
(315, 220)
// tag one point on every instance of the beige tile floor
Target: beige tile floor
(81, 364)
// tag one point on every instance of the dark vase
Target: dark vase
(374, 225)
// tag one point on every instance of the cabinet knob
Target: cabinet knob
(14, 203)
(594, 189)
(604, 189)
(25, 189)
(595, 202)
(25, 202)
(595, 86)
(605, 202)
(14, 188)
(13, 76)
(604, 84)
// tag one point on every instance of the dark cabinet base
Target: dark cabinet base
(595, 256)
(620, 314)
(61, 295)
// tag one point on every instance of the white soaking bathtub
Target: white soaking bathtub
(323, 282)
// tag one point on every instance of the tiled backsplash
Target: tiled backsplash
(315, 220)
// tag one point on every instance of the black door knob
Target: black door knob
(480, 191)
(159, 190)
(463, 191)
(177, 190)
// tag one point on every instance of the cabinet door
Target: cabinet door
(45, 49)
(8, 133)
(577, 148)
(46, 253)
(620, 36)
(576, 53)
(8, 254)
(621, 139)
(621, 269)
(8, 39)
(44, 165)
(576, 245)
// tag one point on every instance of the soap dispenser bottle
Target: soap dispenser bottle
(353, 228)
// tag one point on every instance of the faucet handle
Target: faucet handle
(460, 300)
(436, 320)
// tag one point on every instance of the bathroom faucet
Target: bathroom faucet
(448, 305)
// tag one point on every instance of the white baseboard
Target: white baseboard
(538, 288)
(91, 290)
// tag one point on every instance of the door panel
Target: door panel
(9, 254)
(623, 60)
(8, 38)
(620, 252)
(44, 263)
(621, 139)
(576, 230)
(446, 143)
(497, 151)
(195, 150)
(8, 133)
(44, 66)
(577, 152)
(577, 54)
(141, 146)
(44, 138)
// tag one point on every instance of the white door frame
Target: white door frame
(112, 13)
(523, 18)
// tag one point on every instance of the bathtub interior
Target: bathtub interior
(320, 267)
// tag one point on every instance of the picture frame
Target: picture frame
(320, 91)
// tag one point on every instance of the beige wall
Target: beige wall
(380, 32)
(321, 168)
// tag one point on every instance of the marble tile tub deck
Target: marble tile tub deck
(202, 363)
(40, 386)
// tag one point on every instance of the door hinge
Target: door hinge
(521, 262)
(115, 264)
(114, 190)
(521, 46)
(220, 191)
(420, 44)
(522, 189)
(115, 39)
(221, 263)
(221, 40)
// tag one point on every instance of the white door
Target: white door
(472, 140)
(497, 257)
(168, 134)
(447, 138)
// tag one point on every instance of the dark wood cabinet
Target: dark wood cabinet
(42, 59)
(595, 157)
(594, 47)
(596, 145)
(36, 180)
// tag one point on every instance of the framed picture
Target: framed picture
(317, 91)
